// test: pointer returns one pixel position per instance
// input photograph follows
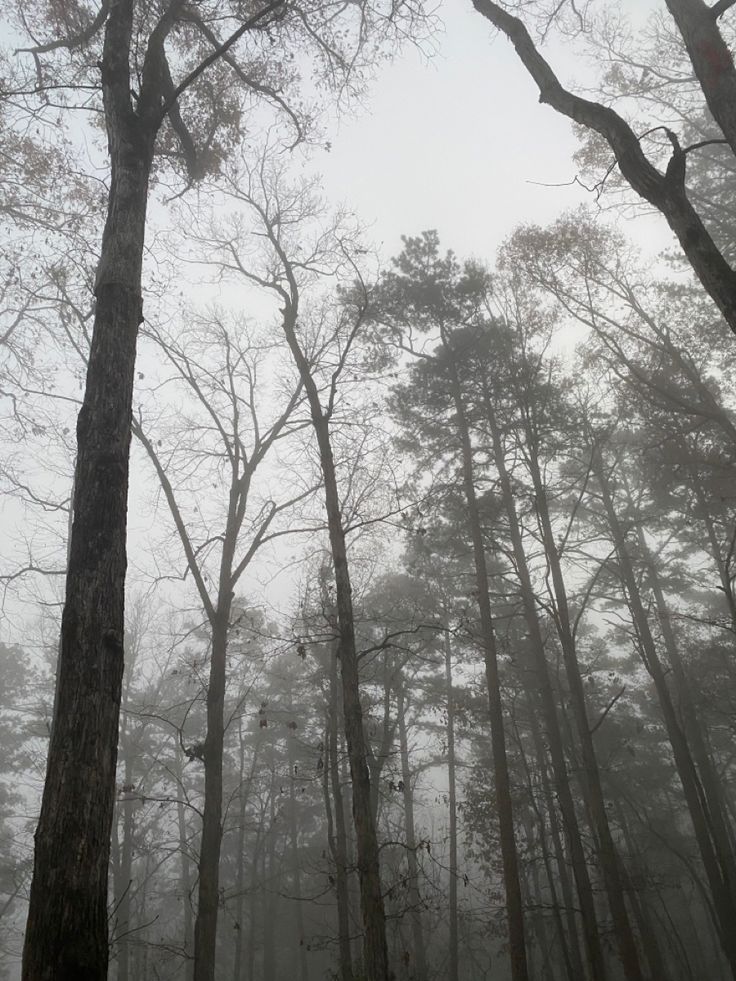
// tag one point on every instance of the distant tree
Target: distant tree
(228, 432)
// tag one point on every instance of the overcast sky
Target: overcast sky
(460, 143)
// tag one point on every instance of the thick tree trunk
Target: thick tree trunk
(711, 59)
(419, 972)
(67, 931)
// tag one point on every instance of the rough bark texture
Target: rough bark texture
(711, 59)
(67, 930)
(665, 191)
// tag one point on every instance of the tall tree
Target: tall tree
(427, 295)
(143, 64)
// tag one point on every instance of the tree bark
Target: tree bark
(711, 59)
(67, 931)
(338, 839)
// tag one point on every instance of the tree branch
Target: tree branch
(218, 52)
(720, 8)
(76, 40)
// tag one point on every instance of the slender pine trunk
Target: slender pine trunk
(413, 892)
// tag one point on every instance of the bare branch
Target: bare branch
(607, 709)
(76, 40)
(193, 75)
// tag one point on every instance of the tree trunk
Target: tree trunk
(67, 932)
(124, 877)
(647, 931)
(371, 899)
(414, 895)
(714, 803)
(452, 794)
(724, 908)
(624, 935)
(569, 942)
(592, 785)
(296, 862)
(338, 840)
(205, 925)
(711, 59)
(512, 883)
(185, 873)
(270, 900)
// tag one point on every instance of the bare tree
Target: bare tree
(228, 436)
